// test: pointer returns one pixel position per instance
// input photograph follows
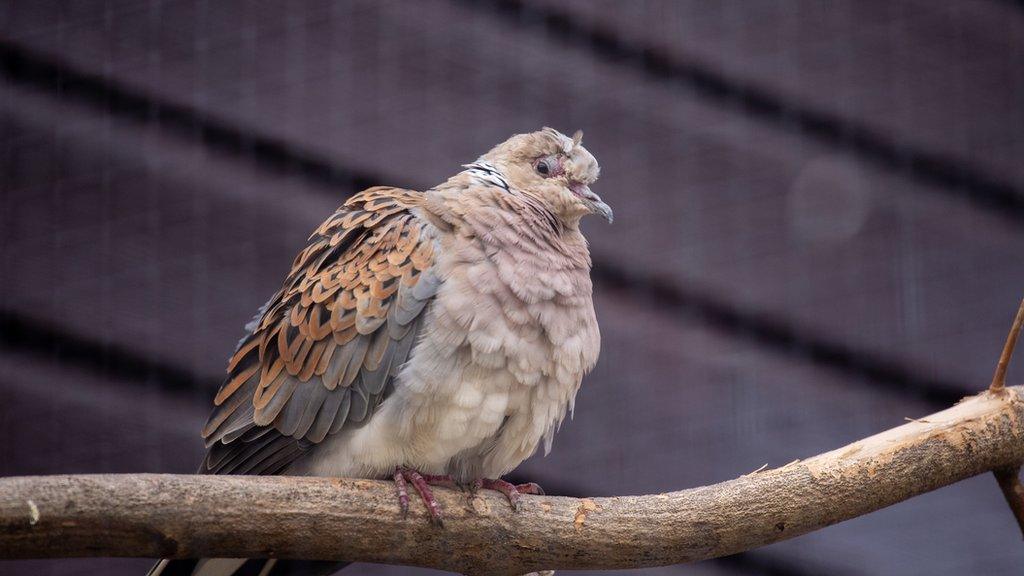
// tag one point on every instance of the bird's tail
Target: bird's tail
(244, 567)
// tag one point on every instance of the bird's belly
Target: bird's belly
(442, 432)
(433, 427)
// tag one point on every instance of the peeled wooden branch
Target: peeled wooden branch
(190, 516)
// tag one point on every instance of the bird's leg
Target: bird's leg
(404, 476)
(510, 490)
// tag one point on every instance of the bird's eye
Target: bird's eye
(543, 168)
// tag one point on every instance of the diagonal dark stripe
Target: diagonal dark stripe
(779, 335)
(1013, 3)
(29, 68)
(25, 335)
(23, 67)
(942, 173)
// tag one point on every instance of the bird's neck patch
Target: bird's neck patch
(486, 174)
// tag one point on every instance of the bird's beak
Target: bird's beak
(594, 203)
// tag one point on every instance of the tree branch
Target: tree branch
(999, 378)
(358, 520)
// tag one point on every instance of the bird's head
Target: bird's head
(554, 169)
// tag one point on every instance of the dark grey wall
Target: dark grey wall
(820, 224)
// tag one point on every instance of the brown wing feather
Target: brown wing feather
(324, 351)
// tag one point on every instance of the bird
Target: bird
(430, 338)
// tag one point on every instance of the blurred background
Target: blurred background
(819, 225)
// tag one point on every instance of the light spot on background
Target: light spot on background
(829, 201)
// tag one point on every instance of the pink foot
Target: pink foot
(422, 483)
(510, 490)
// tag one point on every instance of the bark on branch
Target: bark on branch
(191, 516)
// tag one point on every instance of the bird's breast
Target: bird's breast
(504, 347)
(501, 359)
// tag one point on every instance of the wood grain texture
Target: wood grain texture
(187, 516)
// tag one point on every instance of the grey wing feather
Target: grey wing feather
(311, 384)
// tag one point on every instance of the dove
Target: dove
(430, 338)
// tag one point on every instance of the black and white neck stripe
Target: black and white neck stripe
(486, 174)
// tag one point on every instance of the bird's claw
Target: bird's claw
(404, 476)
(511, 491)
(530, 488)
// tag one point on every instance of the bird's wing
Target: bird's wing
(323, 352)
